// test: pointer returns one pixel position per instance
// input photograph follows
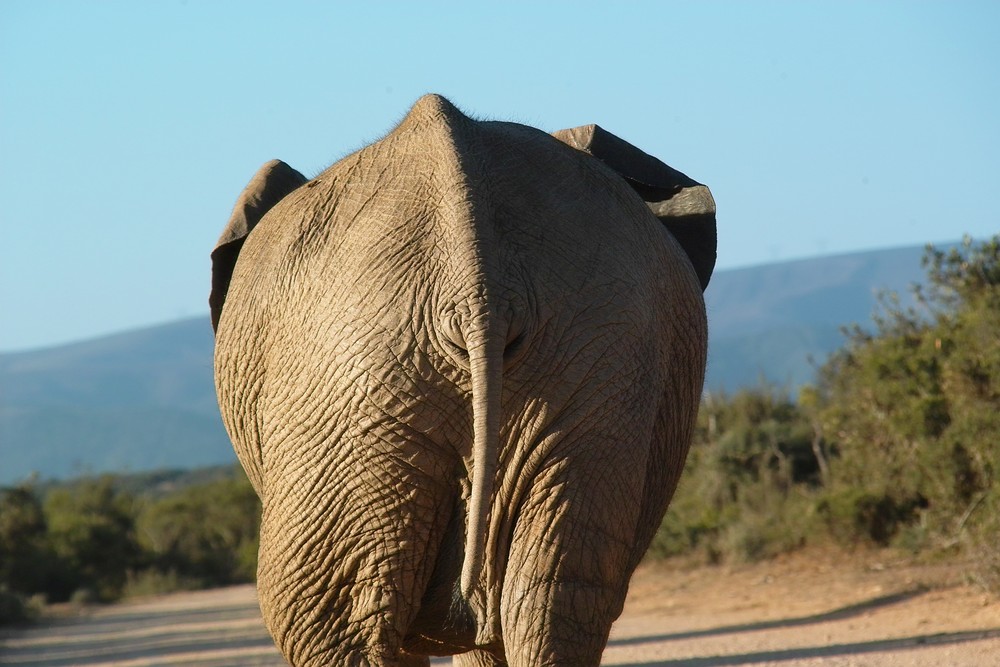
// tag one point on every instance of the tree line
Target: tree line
(897, 443)
(96, 540)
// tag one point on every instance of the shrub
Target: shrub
(898, 442)
(17, 609)
(206, 535)
(91, 529)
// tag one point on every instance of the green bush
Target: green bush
(897, 443)
(747, 488)
(915, 407)
(91, 529)
(854, 515)
(93, 540)
(17, 609)
(26, 558)
(208, 534)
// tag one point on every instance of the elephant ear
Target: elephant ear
(270, 184)
(683, 205)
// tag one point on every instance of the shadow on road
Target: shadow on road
(808, 652)
(112, 622)
(835, 615)
(224, 634)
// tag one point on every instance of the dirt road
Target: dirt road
(804, 610)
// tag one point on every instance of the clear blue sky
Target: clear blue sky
(128, 128)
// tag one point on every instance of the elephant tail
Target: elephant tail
(485, 347)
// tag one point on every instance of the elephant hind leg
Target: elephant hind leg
(570, 560)
(344, 563)
(561, 623)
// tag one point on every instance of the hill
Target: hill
(778, 321)
(140, 400)
(144, 400)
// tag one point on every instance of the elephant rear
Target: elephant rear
(461, 367)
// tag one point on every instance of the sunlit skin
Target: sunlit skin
(461, 368)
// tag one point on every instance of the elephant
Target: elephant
(461, 368)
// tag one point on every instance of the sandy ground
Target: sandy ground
(804, 610)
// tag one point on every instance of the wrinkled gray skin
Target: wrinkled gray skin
(461, 368)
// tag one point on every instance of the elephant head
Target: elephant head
(461, 367)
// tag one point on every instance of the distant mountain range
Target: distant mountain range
(777, 321)
(144, 400)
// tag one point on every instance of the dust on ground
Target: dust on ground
(801, 610)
